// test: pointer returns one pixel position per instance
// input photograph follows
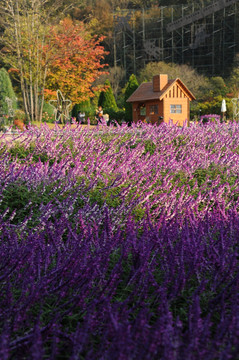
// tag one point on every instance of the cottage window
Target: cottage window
(142, 110)
(154, 109)
(175, 109)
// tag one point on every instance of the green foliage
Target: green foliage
(138, 212)
(20, 115)
(83, 106)
(109, 196)
(107, 99)
(21, 197)
(233, 82)
(48, 113)
(96, 196)
(149, 147)
(117, 115)
(87, 107)
(211, 107)
(15, 197)
(121, 99)
(20, 152)
(179, 141)
(131, 86)
(218, 86)
(211, 173)
(6, 90)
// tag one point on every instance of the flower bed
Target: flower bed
(120, 243)
(210, 117)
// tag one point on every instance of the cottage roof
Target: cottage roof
(145, 91)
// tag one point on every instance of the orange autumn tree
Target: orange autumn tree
(77, 61)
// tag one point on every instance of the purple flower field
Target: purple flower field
(120, 243)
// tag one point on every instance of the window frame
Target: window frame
(142, 110)
(175, 108)
(154, 109)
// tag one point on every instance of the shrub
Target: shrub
(211, 107)
(6, 90)
(118, 115)
(48, 115)
(85, 107)
(20, 115)
(107, 99)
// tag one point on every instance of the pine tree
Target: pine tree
(107, 99)
(131, 86)
(6, 90)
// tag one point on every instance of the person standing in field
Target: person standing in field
(99, 114)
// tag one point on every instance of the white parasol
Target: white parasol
(224, 107)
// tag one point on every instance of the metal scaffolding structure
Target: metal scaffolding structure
(200, 14)
(206, 38)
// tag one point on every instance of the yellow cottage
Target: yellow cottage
(161, 100)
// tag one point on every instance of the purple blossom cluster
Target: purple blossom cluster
(120, 243)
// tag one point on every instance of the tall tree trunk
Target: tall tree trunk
(17, 28)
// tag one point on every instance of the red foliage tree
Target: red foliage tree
(76, 61)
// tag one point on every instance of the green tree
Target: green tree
(106, 98)
(26, 48)
(218, 86)
(6, 90)
(131, 86)
(233, 82)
